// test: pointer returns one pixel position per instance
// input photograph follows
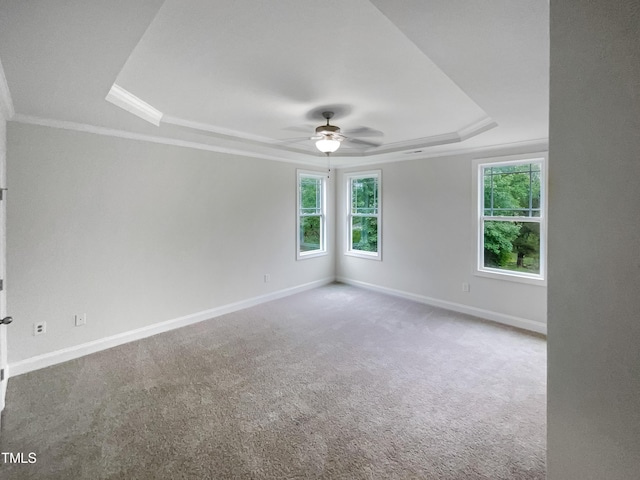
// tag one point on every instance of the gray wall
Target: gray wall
(428, 239)
(594, 278)
(134, 233)
(3, 293)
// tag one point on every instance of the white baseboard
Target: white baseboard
(510, 320)
(69, 353)
(77, 351)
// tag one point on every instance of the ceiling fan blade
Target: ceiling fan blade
(291, 140)
(300, 128)
(364, 143)
(363, 132)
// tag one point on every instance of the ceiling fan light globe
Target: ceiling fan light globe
(327, 145)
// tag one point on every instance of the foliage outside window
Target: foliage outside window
(311, 214)
(512, 218)
(364, 214)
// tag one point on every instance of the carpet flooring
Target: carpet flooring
(333, 383)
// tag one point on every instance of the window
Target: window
(512, 223)
(311, 214)
(363, 200)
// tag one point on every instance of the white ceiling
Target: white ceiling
(253, 77)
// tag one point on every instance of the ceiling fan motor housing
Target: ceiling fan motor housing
(327, 130)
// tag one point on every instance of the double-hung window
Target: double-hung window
(511, 219)
(364, 214)
(311, 203)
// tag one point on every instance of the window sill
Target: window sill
(511, 277)
(314, 254)
(363, 254)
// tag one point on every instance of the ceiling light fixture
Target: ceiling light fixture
(328, 136)
(327, 144)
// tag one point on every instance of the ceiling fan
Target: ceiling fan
(329, 137)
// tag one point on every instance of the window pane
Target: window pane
(535, 191)
(310, 234)
(513, 246)
(364, 195)
(364, 234)
(487, 203)
(512, 190)
(310, 195)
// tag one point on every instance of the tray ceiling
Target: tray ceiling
(253, 77)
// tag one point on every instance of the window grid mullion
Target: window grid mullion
(499, 218)
(530, 190)
(492, 189)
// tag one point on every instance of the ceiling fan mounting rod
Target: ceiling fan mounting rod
(328, 116)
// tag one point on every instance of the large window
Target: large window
(364, 218)
(311, 214)
(511, 227)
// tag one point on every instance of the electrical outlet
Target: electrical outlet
(39, 328)
(80, 319)
(466, 287)
(267, 278)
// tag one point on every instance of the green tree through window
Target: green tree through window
(364, 213)
(511, 216)
(311, 215)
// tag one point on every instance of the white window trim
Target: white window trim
(479, 268)
(348, 250)
(323, 216)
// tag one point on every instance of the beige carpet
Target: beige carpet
(335, 383)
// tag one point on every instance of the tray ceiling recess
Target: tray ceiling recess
(253, 72)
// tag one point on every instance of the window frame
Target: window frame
(300, 174)
(479, 218)
(349, 215)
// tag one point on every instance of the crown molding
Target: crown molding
(129, 102)
(476, 128)
(413, 143)
(531, 146)
(526, 146)
(458, 136)
(111, 132)
(205, 127)
(132, 104)
(6, 103)
(541, 144)
(461, 135)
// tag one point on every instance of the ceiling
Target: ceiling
(409, 79)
